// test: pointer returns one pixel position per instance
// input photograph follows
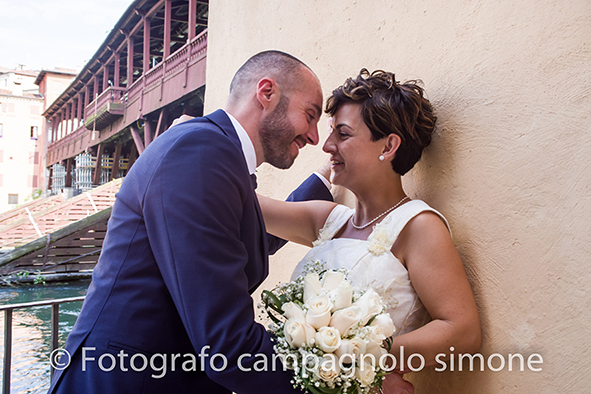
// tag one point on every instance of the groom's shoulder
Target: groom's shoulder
(199, 134)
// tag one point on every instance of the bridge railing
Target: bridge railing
(55, 303)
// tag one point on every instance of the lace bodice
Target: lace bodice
(371, 262)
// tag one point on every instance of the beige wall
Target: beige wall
(509, 166)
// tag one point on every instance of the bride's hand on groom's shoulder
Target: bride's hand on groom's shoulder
(325, 170)
(181, 119)
(395, 384)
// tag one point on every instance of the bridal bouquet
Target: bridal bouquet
(329, 332)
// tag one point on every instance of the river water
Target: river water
(31, 332)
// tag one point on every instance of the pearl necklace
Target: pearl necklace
(379, 216)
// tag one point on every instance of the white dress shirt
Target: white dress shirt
(247, 147)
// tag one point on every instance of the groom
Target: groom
(169, 308)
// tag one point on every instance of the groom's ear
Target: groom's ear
(391, 146)
(267, 93)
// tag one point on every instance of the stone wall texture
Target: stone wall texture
(509, 164)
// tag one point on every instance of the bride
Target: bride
(400, 247)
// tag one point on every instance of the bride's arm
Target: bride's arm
(298, 222)
(438, 276)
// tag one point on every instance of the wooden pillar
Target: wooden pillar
(161, 122)
(63, 123)
(148, 132)
(72, 116)
(68, 118)
(68, 181)
(98, 167)
(132, 157)
(116, 156)
(86, 99)
(50, 180)
(129, 61)
(167, 20)
(95, 90)
(53, 129)
(192, 19)
(116, 70)
(105, 77)
(58, 120)
(79, 112)
(137, 139)
(146, 44)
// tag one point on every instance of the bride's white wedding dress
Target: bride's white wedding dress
(371, 262)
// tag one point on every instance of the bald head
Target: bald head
(284, 68)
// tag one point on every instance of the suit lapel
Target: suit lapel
(221, 119)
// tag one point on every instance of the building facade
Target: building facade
(24, 95)
(20, 126)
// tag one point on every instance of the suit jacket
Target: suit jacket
(169, 307)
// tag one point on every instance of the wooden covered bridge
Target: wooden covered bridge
(149, 70)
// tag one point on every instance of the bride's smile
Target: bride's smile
(354, 156)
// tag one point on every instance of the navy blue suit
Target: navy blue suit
(186, 246)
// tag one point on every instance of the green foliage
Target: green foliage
(16, 279)
(39, 278)
(22, 274)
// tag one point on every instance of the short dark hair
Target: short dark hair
(283, 67)
(390, 107)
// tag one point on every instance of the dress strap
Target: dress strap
(386, 232)
(335, 221)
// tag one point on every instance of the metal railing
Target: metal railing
(8, 332)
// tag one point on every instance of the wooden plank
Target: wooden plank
(54, 215)
(57, 235)
(71, 252)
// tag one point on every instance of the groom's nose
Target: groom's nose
(312, 137)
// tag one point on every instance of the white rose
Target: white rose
(355, 348)
(318, 314)
(332, 279)
(344, 319)
(365, 373)
(293, 311)
(298, 333)
(375, 334)
(328, 339)
(370, 303)
(341, 296)
(375, 349)
(329, 368)
(383, 326)
(312, 286)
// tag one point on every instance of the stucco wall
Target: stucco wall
(509, 166)
(19, 153)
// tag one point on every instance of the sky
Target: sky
(44, 34)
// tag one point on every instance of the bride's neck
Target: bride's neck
(373, 201)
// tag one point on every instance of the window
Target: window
(1, 130)
(33, 132)
(13, 199)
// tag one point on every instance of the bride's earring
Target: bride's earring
(382, 158)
